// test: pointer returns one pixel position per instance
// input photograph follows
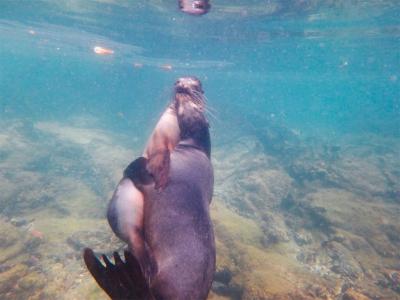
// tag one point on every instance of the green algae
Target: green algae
(9, 278)
(255, 198)
(260, 272)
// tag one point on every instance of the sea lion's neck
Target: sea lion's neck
(203, 145)
(195, 132)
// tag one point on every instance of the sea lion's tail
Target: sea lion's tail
(121, 280)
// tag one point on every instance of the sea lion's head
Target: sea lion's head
(188, 94)
(190, 106)
(195, 7)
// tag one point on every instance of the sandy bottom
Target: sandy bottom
(295, 220)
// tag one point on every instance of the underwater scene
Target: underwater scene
(303, 101)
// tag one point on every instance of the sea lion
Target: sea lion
(125, 209)
(194, 7)
(178, 231)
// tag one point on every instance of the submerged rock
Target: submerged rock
(249, 181)
(383, 246)
(303, 214)
(306, 171)
(15, 242)
(342, 261)
(351, 294)
(103, 241)
(31, 283)
(224, 275)
(274, 229)
(393, 279)
(9, 235)
(392, 231)
(232, 291)
(279, 141)
(19, 222)
(302, 238)
(361, 175)
(9, 279)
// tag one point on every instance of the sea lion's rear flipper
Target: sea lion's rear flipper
(122, 280)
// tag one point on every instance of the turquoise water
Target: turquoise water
(307, 89)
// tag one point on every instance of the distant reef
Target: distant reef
(294, 218)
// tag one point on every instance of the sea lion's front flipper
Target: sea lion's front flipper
(122, 280)
(158, 167)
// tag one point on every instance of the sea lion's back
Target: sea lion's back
(181, 232)
(192, 166)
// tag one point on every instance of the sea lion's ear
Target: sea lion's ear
(137, 172)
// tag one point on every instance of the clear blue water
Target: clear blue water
(316, 68)
(311, 70)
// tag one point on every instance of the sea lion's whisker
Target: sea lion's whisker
(211, 114)
(200, 95)
(210, 108)
(200, 99)
(197, 100)
(197, 93)
(205, 98)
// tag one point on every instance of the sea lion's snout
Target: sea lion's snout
(188, 93)
(188, 85)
